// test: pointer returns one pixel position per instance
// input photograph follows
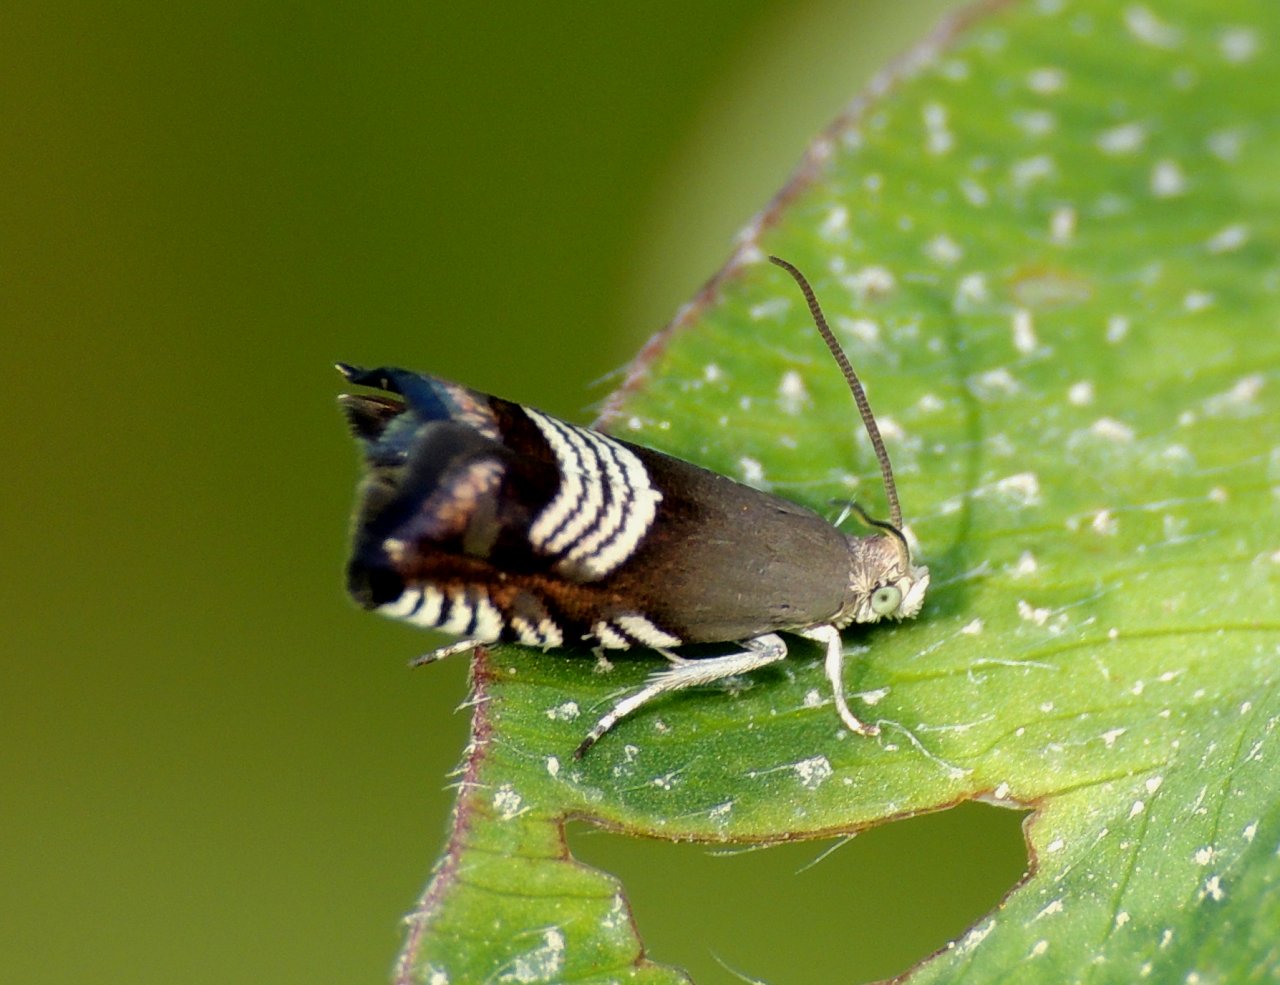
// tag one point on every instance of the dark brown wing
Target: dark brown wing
(484, 517)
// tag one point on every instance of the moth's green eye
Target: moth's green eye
(885, 600)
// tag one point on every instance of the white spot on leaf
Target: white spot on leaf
(1238, 44)
(1225, 144)
(976, 936)
(1030, 170)
(813, 772)
(792, 394)
(871, 283)
(1033, 614)
(1024, 333)
(1168, 179)
(1239, 401)
(1062, 224)
(1023, 487)
(1027, 565)
(507, 802)
(1080, 394)
(836, 224)
(944, 250)
(1035, 122)
(752, 472)
(929, 403)
(993, 382)
(971, 290)
(974, 193)
(1197, 300)
(1144, 25)
(1046, 81)
(774, 308)
(566, 712)
(1128, 138)
(939, 139)
(1228, 238)
(544, 963)
(1110, 429)
(864, 330)
(1105, 523)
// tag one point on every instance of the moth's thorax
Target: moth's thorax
(875, 563)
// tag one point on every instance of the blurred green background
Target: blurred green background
(214, 768)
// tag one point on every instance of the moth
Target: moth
(495, 522)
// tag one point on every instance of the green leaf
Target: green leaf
(1050, 248)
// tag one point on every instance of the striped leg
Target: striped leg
(829, 636)
(461, 646)
(759, 652)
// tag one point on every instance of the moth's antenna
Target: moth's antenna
(859, 396)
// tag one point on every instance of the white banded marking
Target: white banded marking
(488, 619)
(571, 491)
(646, 633)
(525, 631)
(550, 632)
(461, 612)
(579, 514)
(608, 637)
(604, 505)
(546, 634)
(420, 606)
(619, 487)
(432, 607)
(404, 607)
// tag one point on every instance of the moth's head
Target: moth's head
(884, 581)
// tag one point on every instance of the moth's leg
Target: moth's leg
(603, 663)
(829, 636)
(674, 657)
(461, 646)
(759, 652)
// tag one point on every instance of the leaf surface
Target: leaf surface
(1049, 245)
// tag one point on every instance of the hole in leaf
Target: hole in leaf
(868, 909)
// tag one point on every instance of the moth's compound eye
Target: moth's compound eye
(885, 600)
